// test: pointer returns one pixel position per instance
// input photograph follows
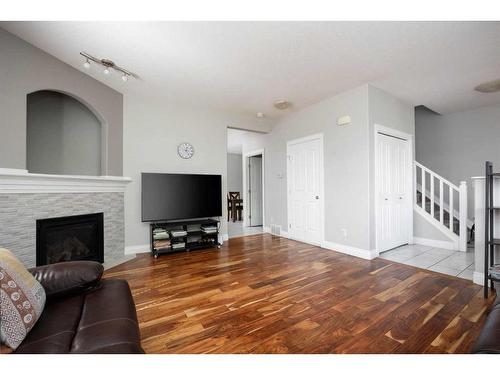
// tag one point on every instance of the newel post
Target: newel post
(463, 215)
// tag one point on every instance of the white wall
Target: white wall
(235, 172)
(152, 131)
(422, 229)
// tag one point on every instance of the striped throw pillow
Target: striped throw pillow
(22, 299)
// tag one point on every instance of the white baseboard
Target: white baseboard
(284, 234)
(350, 250)
(345, 249)
(478, 278)
(434, 243)
(225, 237)
(137, 249)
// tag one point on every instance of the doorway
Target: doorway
(393, 198)
(253, 189)
(254, 176)
(245, 183)
(305, 189)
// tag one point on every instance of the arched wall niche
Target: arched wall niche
(65, 135)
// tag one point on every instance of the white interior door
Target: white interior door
(392, 192)
(305, 176)
(255, 190)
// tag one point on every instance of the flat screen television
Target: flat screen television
(175, 197)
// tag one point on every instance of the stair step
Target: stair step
(494, 272)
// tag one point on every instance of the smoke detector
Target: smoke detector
(282, 104)
(487, 87)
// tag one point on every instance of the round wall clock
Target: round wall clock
(185, 150)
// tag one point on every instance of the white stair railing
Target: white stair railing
(444, 193)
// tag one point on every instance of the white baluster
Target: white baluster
(451, 209)
(463, 215)
(415, 168)
(441, 201)
(423, 189)
(432, 195)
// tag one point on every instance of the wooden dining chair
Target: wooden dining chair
(230, 196)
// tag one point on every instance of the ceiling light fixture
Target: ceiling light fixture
(488, 87)
(260, 115)
(282, 104)
(108, 65)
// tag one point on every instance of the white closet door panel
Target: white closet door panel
(392, 195)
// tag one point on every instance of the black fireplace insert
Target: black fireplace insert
(69, 238)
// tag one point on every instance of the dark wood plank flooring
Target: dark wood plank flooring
(264, 294)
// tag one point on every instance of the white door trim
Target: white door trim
(320, 137)
(245, 185)
(409, 182)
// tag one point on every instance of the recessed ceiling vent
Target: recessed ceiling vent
(488, 87)
(282, 104)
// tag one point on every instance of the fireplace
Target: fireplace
(70, 238)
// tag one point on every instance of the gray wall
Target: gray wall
(348, 159)
(152, 132)
(63, 136)
(346, 162)
(235, 173)
(25, 69)
(457, 145)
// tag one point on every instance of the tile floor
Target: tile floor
(449, 262)
(236, 229)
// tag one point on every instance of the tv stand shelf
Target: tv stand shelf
(191, 236)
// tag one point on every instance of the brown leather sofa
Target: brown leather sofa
(83, 314)
(488, 341)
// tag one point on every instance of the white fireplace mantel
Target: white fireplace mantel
(15, 181)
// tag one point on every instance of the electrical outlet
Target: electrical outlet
(344, 232)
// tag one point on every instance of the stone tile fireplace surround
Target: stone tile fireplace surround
(26, 197)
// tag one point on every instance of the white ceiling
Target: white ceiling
(245, 66)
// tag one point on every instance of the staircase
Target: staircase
(446, 219)
(442, 204)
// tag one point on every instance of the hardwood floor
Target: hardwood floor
(264, 294)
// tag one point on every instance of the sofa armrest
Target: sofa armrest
(60, 279)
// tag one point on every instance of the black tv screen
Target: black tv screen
(168, 197)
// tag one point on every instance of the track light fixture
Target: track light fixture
(108, 65)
